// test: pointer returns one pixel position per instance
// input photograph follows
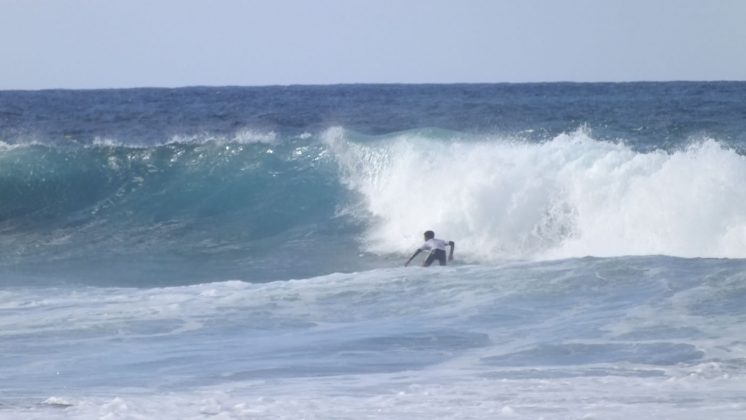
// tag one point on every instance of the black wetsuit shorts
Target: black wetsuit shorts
(436, 254)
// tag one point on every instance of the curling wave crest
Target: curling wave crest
(570, 196)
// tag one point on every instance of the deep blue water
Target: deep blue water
(644, 114)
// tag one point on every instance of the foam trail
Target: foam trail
(568, 197)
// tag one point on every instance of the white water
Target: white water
(648, 337)
(572, 196)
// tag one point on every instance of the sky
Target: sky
(169, 43)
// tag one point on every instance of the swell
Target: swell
(177, 181)
(239, 205)
(277, 208)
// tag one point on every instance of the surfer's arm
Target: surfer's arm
(453, 246)
(412, 257)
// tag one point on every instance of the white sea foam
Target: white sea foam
(608, 338)
(5, 147)
(567, 197)
(572, 398)
(108, 142)
(242, 136)
(248, 136)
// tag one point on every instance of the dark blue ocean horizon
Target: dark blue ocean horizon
(643, 113)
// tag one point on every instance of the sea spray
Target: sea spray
(570, 196)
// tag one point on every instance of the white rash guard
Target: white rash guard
(434, 243)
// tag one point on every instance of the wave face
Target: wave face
(213, 204)
(295, 207)
(149, 186)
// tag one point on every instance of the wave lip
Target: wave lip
(245, 136)
(571, 196)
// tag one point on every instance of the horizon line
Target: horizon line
(352, 84)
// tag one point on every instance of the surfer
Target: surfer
(437, 248)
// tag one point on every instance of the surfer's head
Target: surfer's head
(429, 235)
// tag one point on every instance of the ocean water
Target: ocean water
(237, 253)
